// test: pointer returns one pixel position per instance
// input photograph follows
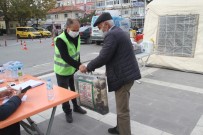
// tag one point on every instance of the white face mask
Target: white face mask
(73, 34)
(103, 33)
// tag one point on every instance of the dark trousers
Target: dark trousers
(66, 82)
(11, 130)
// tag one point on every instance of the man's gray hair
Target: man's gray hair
(71, 21)
(111, 22)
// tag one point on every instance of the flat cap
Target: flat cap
(103, 17)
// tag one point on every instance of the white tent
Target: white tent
(176, 26)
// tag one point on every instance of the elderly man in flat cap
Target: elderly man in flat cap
(121, 69)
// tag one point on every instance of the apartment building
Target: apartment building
(87, 5)
(60, 14)
(132, 9)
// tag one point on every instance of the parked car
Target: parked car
(43, 32)
(96, 34)
(57, 29)
(85, 34)
(27, 32)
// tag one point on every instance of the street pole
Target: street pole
(121, 8)
(85, 2)
(145, 5)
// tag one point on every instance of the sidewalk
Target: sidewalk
(167, 103)
(8, 37)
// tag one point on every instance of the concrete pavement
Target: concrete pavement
(167, 103)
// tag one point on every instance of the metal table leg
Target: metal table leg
(51, 121)
(32, 129)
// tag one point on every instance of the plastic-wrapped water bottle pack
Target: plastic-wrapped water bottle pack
(11, 69)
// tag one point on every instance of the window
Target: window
(126, 12)
(56, 16)
(48, 16)
(109, 2)
(177, 35)
(76, 14)
(100, 4)
(65, 15)
(126, 1)
(116, 1)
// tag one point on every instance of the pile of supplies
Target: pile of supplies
(11, 71)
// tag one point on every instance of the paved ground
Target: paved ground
(167, 103)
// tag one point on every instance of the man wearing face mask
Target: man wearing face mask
(67, 62)
(121, 69)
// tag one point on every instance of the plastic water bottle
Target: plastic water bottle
(20, 75)
(50, 91)
(14, 72)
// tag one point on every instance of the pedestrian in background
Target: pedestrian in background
(9, 108)
(121, 69)
(67, 62)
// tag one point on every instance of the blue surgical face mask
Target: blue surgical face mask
(73, 34)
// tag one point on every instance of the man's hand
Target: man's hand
(20, 95)
(6, 93)
(83, 68)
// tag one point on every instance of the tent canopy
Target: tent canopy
(176, 27)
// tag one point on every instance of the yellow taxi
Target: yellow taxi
(27, 32)
(44, 32)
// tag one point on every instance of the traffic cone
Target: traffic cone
(24, 46)
(52, 44)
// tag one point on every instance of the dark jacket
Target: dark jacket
(117, 54)
(9, 107)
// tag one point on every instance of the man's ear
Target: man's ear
(67, 29)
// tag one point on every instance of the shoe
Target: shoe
(113, 130)
(69, 117)
(78, 109)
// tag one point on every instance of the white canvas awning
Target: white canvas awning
(179, 45)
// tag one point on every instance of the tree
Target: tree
(24, 10)
(41, 7)
(87, 18)
(5, 8)
(21, 10)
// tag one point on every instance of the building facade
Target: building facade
(132, 9)
(60, 14)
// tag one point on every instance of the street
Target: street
(38, 55)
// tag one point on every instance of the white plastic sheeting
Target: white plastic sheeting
(158, 8)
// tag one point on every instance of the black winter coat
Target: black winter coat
(118, 56)
(9, 107)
